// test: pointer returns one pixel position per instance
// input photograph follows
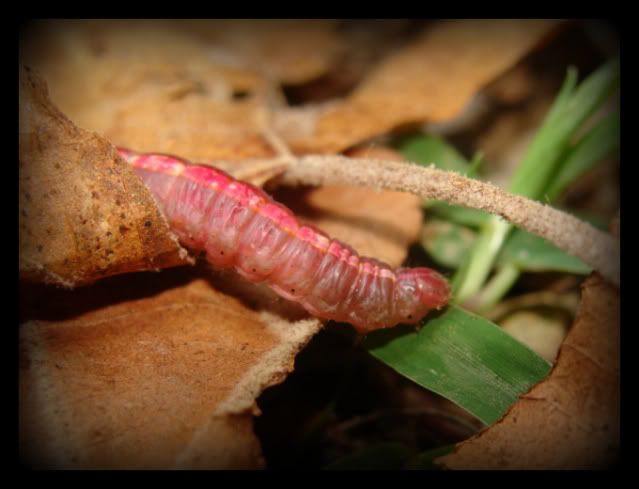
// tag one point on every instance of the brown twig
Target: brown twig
(598, 249)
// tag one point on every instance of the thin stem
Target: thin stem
(483, 255)
(497, 287)
(598, 249)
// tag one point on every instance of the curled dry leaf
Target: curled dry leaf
(571, 419)
(84, 215)
(291, 51)
(432, 79)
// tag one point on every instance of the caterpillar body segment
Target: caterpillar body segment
(240, 226)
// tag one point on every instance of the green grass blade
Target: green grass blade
(532, 253)
(449, 245)
(464, 358)
(446, 242)
(542, 157)
(473, 218)
(427, 149)
(600, 142)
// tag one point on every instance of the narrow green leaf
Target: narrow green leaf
(446, 242)
(426, 150)
(449, 244)
(567, 115)
(600, 142)
(543, 159)
(383, 456)
(464, 358)
(532, 253)
(461, 215)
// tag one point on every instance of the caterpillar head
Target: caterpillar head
(418, 290)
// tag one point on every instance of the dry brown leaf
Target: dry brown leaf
(571, 419)
(84, 215)
(542, 333)
(96, 67)
(170, 86)
(432, 80)
(166, 380)
(291, 51)
(152, 88)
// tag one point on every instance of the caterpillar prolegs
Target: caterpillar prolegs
(238, 225)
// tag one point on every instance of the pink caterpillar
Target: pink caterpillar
(238, 225)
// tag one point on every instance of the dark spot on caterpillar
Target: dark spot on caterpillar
(241, 94)
(292, 291)
(221, 252)
(94, 195)
(84, 221)
(57, 165)
(24, 214)
(122, 215)
(117, 202)
(108, 233)
(123, 229)
(410, 316)
(58, 366)
(253, 270)
(98, 247)
(40, 248)
(147, 224)
(109, 252)
(28, 196)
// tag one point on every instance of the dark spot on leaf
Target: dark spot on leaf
(23, 212)
(94, 195)
(117, 202)
(221, 252)
(123, 229)
(108, 233)
(109, 252)
(293, 291)
(147, 224)
(57, 165)
(58, 366)
(122, 215)
(40, 248)
(28, 196)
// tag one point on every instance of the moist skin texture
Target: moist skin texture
(240, 226)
